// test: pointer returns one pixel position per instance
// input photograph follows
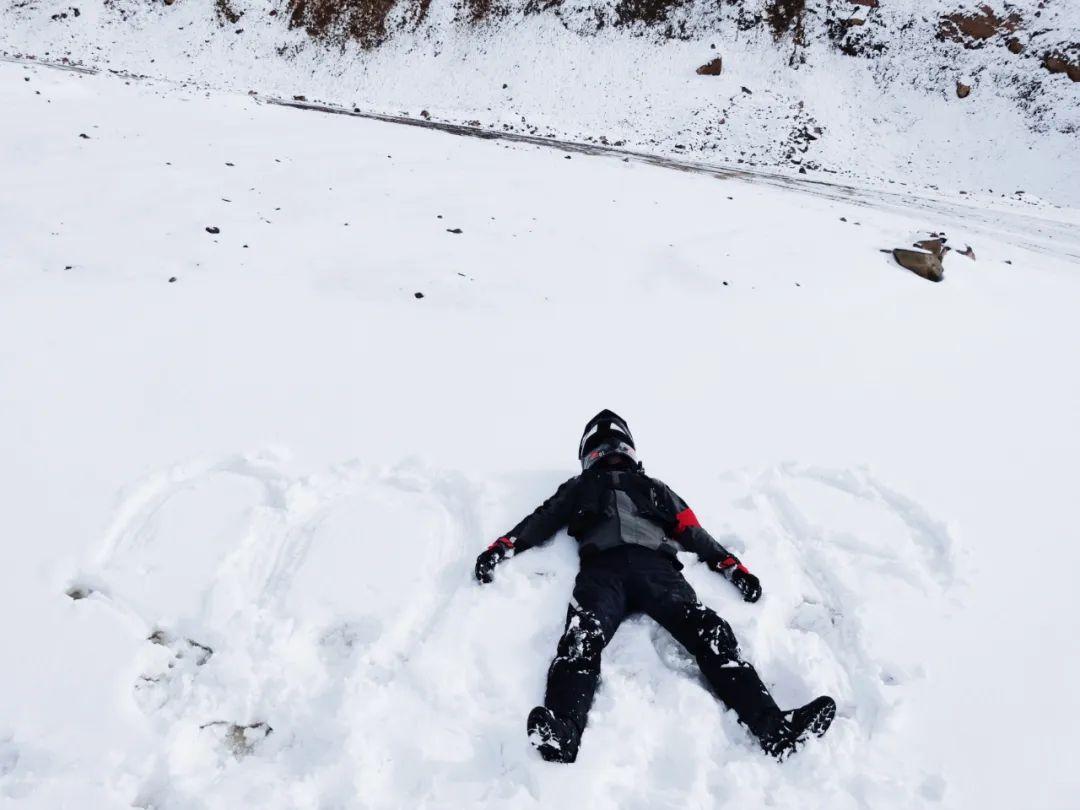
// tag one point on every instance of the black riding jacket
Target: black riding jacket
(604, 508)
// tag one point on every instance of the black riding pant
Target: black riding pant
(632, 579)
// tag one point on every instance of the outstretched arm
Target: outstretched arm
(534, 530)
(692, 536)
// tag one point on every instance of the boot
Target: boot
(780, 733)
(798, 725)
(555, 738)
(741, 689)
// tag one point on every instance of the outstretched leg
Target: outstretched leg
(712, 642)
(596, 610)
(668, 598)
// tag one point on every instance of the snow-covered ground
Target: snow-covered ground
(267, 479)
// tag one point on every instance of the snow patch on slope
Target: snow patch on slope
(791, 99)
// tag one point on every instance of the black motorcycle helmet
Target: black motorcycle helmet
(606, 434)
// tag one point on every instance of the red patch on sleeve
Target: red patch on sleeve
(686, 519)
(502, 541)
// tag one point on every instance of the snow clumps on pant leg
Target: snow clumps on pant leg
(717, 638)
(575, 671)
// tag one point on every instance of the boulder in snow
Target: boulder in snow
(973, 29)
(1057, 63)
(712, 68)
(920, 263)
(935, 244)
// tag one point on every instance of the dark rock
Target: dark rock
(968, 251)
(453, 230)
(963, 90)
(227, 12)
(203, 653)
(172, 279)
(239, 739)
(712, 68)
(213, 229)
(84, 136)
(78, 592)
(299, 98)
(787, 15)
(418, 295)
(159, 637)
(748, 91)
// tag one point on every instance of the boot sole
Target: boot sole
(823, 718)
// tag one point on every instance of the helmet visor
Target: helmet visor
(608, 448)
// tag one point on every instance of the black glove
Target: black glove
(749, 585)
(492, 556)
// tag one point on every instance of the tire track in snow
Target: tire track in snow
(1057, 235)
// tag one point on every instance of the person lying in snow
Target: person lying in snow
(629, 528)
